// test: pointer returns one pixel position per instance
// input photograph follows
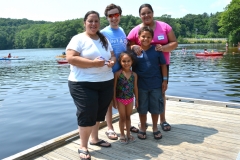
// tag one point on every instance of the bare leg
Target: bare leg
(162, 115)
(155, 121)
(84, 133)
(143, 118)
(94, 135)
(108, 118)
(128, 109)
(122, 119)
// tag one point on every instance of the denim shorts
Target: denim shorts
(92, 100)
(150, 100)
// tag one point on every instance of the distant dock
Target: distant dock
(201, 129)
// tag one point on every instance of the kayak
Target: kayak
(209, 54)
(62, 61)
(61, 56)
(209, 57)
(12, 58)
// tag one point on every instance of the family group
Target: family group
(111, 69)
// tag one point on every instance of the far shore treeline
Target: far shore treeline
(25, 34)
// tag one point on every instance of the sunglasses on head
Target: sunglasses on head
(116, 15)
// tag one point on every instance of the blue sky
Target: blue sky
(60, 10)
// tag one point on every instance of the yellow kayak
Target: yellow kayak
(61, 56)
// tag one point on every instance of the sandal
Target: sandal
(155, 135)
(143, 134)
(123, 140)
(134, 129)
(164, 126)
(84, 152)
(110, 134)
(100, 143)
(131, 139)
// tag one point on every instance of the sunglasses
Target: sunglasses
(116, 15)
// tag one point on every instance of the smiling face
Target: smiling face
(146, 15)
(126, 62)
(92, 24)
(145, 38)
(113, 17)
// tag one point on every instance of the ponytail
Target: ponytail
(103, 40)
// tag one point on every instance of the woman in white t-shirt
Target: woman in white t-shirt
(90, 81)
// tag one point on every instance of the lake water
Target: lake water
(35, 104)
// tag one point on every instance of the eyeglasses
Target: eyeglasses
(116, 15)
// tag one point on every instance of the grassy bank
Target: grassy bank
(201, 40)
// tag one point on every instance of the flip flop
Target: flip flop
(131, 139)
(111, 133)
(123, 141)
(99, 143)
(165, 124)
(84, 152)
(142, 133)
(134, 129)
(155, 134)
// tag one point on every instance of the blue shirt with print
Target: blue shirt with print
(118, 40)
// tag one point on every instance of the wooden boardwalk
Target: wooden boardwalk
(200, 130)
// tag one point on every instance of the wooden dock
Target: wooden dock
(201, 129)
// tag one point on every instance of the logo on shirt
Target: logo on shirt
(120, 40)
(160, 37)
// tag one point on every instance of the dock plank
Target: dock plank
(199, 131)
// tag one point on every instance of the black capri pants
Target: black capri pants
(92, 100)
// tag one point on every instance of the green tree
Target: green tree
(230, 21)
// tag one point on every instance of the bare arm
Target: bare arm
(116, 75)
(164, 74)
(73, 58)
(136, 48)
(112, 60)
(172, 43)
(135, 90)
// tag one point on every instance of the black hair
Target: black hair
(145, 28)
(112, 6)
(145, 5)
(126, 53)
(100, 35)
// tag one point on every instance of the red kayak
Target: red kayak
(62, 61)
(209, 54)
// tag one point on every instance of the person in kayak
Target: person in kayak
(205, 50)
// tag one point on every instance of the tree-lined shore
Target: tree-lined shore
(24, 33)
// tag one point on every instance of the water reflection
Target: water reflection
(213, 78)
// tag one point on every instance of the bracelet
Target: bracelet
(165, 78)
